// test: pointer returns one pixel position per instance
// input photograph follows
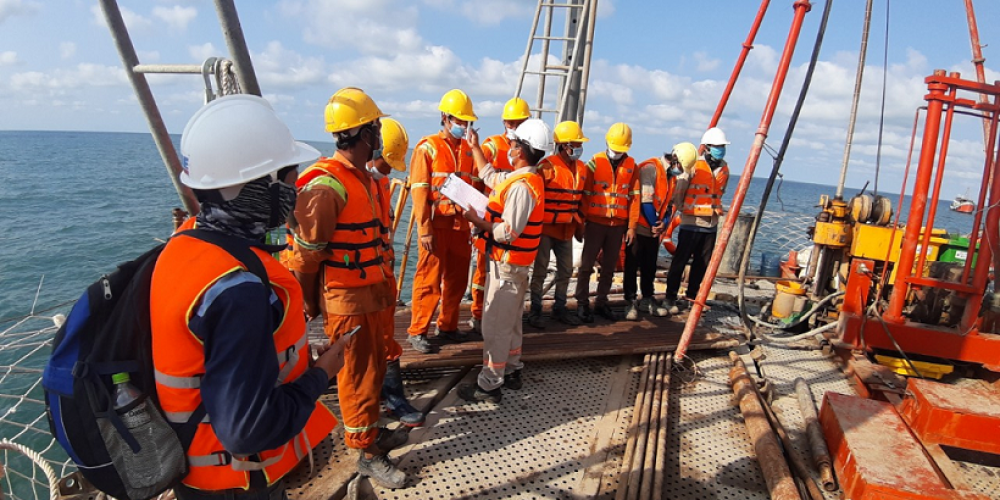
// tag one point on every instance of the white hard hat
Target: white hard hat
(236, 139)
(536, 133)
(714, 137)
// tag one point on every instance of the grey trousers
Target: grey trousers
(564, 271)
(598, 237)
(503, 309)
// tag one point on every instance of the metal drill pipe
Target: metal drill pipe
(625, 472)
(119, 32)
(747, 47)
(801, 8)
(638, 457)
(777, 475)
(977, 61)
(653, 428)
(661, 439)
(817, 443)
(854, 101)
(232, 31)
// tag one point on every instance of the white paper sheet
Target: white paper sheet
(464, 195)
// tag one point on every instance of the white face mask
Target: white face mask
(510, 134)
(510, 157)
(374, 171)
(614, 155)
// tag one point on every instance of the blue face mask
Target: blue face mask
(576, 153)
(457, 131)
(674, 171)
(717, 152)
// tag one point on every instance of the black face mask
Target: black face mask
(262, 204)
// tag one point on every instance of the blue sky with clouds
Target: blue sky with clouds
(657, 65)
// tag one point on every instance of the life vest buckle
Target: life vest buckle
(224, 457)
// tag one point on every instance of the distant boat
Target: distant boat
(963, 205)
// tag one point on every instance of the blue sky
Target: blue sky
(658, 65)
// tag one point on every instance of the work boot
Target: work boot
(475, 325)
(474, 393)
(583, 312)
(513, 381)
(632, 313)
(605, 311)
(536, 320)
(672, 305)
(563, 316)
(457, 336)
(395, 397)
(388, 439)
(380, 470)
(420, 344)
(656, 308)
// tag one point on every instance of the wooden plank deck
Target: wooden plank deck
(559, 341)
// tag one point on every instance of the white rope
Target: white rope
(39, 461)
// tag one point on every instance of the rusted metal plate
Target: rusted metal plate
(965, 416)
(876, 456)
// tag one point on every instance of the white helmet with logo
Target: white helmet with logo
(236, 139)
(536, 134)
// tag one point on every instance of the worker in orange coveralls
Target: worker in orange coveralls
(445, 252)
(338, 259)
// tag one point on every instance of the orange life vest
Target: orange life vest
(385, 209)
(185, 270)
(444, 162)
(612, 188)
(564, 191)
(356, 246)
(663, 188)
(521, 251)
(703, 197)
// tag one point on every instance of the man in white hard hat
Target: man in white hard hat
(226, 330)
(699, 196)
(508, 236)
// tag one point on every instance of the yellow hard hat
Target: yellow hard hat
(516, 109)
(686, 154)
(395, 143)
(457, 103)
(568, 131)
(350, 107)
(619, 138)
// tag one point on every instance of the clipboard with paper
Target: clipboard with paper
(464, 195)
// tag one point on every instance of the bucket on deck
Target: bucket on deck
(787, 295)
(770, 265)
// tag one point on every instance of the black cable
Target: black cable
(881, 117)
(778, 160)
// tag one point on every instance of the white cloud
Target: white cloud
(11, 8)
(382, 27)
(73, 79)
(605, 8)
(8, 58)
(705, 63)
(67, 50)
(132, 20)
(490, 12)
(283, 68)
(203, 51)
(176, 17)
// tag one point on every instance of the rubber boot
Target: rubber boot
(395, 397)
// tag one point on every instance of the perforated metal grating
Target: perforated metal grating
(579, 412)
(782, 367)
(708, 450)
(981, 478)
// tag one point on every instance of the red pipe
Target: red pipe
(801, 8)
(988, 252)
(747, 47)
(981, 201)
(918, 205)
(977, 60)
(938, 177)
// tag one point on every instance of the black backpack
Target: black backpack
(108, 331)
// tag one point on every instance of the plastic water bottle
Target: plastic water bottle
(126, 394)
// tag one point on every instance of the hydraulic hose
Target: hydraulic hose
(815, 309)
(745, 263)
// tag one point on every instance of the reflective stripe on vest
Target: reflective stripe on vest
(443, 162)
(356, 245)
(612, 188)
(703, 197)
(184, 273)
(522, 250)
(564, 191)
